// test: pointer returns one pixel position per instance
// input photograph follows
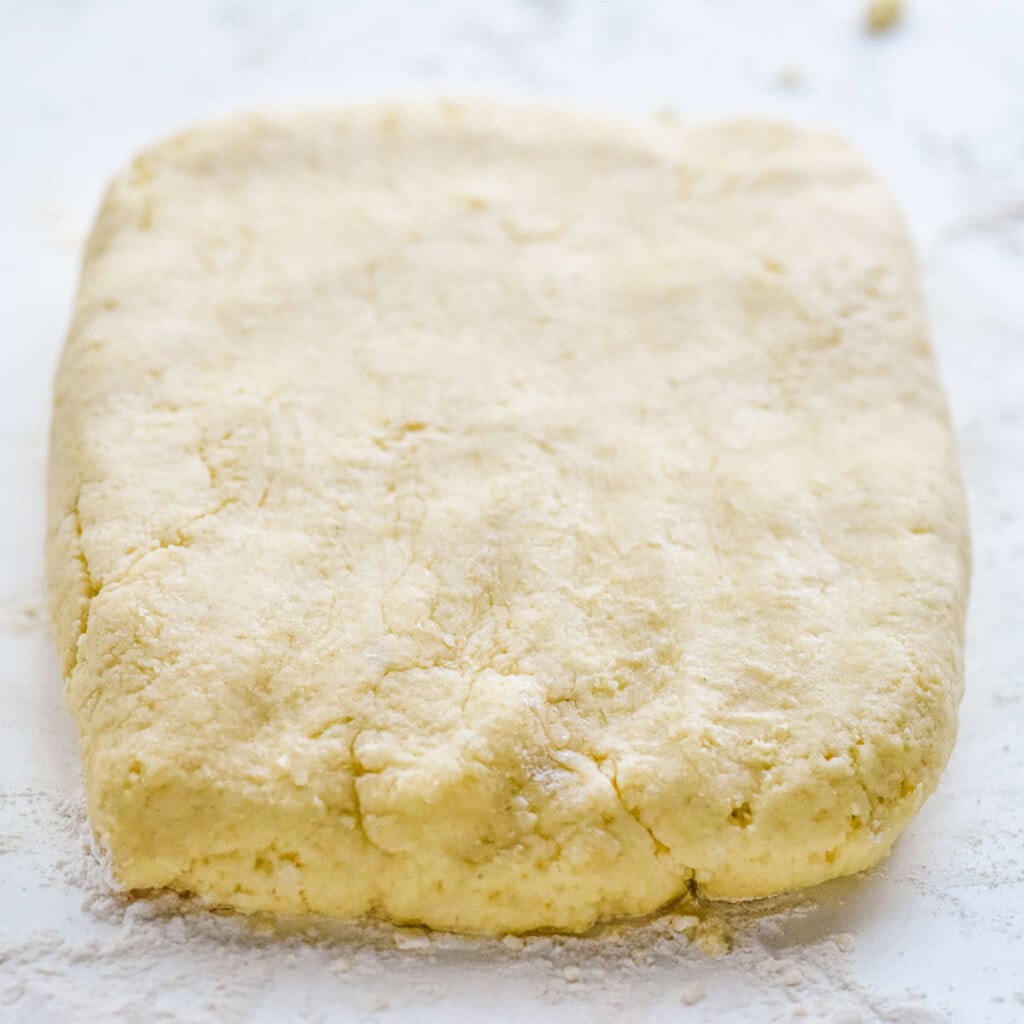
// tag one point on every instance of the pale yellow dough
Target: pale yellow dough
(502, 519)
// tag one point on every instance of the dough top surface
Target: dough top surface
(564, 511)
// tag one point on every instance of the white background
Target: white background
(938, 106)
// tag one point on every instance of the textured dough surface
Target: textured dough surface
(502, 519)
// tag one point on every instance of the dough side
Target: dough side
(502, 519)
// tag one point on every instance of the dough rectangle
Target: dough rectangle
(501, 518)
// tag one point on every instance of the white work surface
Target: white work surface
(937, 104)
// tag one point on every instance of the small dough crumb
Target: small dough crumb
(685, 923)
(407, 940)
(693, 992)
(789, 77)
(883, 15)
(714, 938)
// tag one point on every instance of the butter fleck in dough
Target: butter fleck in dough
(500, 519)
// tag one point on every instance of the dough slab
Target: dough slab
(501, 519)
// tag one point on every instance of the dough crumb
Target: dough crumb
(411, 940)
(21, 614)
(693, 992)
(789, 77)
(792, 977)
(685, 924)
(883, 15)
(713, 937)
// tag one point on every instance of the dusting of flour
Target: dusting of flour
(159, 957)
(940, 107)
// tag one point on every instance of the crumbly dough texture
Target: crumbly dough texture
(502, 519)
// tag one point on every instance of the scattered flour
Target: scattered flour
(789, 77)
(162, 958)
(24, 612)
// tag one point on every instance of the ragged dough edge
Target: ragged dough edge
(225, 847)
(152, 847)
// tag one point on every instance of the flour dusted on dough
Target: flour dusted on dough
(499, 519)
